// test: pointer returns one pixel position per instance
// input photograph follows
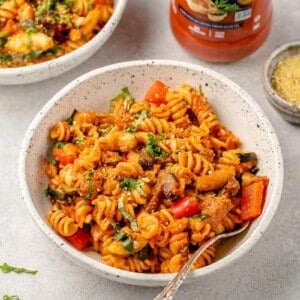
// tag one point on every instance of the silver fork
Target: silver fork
(171, 288)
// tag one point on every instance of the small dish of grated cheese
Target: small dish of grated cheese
(286, 79)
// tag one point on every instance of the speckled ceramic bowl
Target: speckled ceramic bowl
(289, 111)
(236, 109)
(55, 67)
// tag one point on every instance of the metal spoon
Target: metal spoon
(171, 288)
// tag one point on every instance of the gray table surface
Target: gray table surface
(271, 270)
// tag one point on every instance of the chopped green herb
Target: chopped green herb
(126, 215)
(91, 188)
(5, 268)
(129, 184)
(53, 194)
(79, 140)
(5, 58)
(71, 119)
(152, 147)
(34, 54)
(13, 297)
(59, 145)
(125, 95)
(142, 116)
(126, 241)
(44, 8)
(28, 33)
(63, 13)
(200, 217)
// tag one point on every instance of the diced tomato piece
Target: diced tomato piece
(185, 207)
(253, 196)
(156, 93)
(80, 239)
(64, 158)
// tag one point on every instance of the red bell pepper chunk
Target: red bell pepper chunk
(253, 196)
(185, 207)
(80, 239)
(156, 93)
(62, 157)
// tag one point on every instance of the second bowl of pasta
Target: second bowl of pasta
(43, 39)
(131, 167)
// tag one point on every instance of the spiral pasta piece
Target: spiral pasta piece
(62, 223)
(156, 126)
(195, 162)
(178, 108)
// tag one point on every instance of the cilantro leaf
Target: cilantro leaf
(6, 268)
(200, 217)
(126, 215)
(142, 116)
(126, 96)
(152, 147)
(126, 241)
(129, 184)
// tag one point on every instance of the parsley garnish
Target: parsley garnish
(129, 184)
(142, 116)
(152, 147)
(126, 215)
(125, 95)
(59, 145)
(71, 119)
(44, 8)
(5, 268)
(200, 217)
(53, 194)
(5, 58)
(126, 241)
(12, 297)
(28, 33)
(91, 188)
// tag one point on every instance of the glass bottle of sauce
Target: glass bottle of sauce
(221, 30)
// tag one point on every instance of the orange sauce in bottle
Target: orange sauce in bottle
(221, 30)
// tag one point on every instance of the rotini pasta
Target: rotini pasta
(149, 182)
(37, 31)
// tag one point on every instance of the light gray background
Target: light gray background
(270, 271)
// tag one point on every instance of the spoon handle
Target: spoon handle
(171, 288)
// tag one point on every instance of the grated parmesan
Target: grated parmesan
(286, 79)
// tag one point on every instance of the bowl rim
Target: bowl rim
(76, 55)
(151, 279)
(275, 99)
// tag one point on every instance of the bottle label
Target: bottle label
(215, 19)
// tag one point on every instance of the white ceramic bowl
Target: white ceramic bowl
(287, 110)
(55, 67)
(236, 109)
